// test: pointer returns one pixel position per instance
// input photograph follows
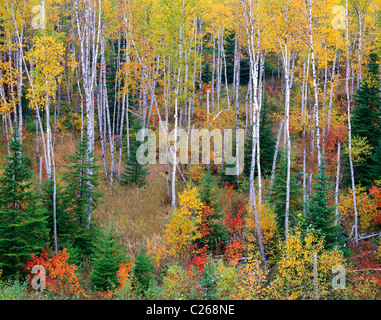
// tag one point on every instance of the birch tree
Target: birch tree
(88, 27)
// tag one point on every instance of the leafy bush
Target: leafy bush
(13, 289)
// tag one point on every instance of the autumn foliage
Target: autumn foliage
(61, 276)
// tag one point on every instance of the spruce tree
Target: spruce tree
(23, 226)
(320, 215)
(82, 194)
(231, 179)
(267, 143)
(134, 173)
(143, 268)
(267, 140)
(279, 193)
(209, 197)
(366, 121)
(248, 154)
(206, 76)
(376, 168)
(108, 254)
(64, 220)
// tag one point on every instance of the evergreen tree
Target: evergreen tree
(207, 280)
(108, 255)
(279, 193)
(64, 221)
(206, 76)
(209, 197)
(208, 191)
(267, 143)
(366, 121)
(320, 215)
(231, 179)
(267, 140)
(23, 226)
(134, 173)
(143, 268)
(82, 194)
(229, 46)
(248, 154)
(376, 159)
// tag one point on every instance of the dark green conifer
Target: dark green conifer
(82, 194)
(134, 173)
(108, 254)
(143, 268)
(320, 215)
(279, 193)
(366, 122)
(23, 226)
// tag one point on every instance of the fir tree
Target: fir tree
(143, 268)
(82, 194)
(279, 193)
(23, 226)
(226, 178)
(267, 140)
(209, 197)
(267, 143)
(206, 76)
(248, 154)
(320, 215)
(231, 179)
(64, 221)
(208, 191)
(134, 173)
(376, 159)
(106, 259)
(366, 121)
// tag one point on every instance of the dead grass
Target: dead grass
(138, 213)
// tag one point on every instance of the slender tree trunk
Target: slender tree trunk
(213, 69)
(280, 128)
(314, 76)
(349, 126)
(337, 183)
(252, 27)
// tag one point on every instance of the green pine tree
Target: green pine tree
(267, 140)
(376, 169)
(206, 76)
(279, 193)
(134, 173)
(231, 179)
(267, 143)
(208, 191)
(320, 215)
(143, 268)
(23, 226)
(82, 194)
(108, 254)
(64, 221)
(366, 122)
(209, 197)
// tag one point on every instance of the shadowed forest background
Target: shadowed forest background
(79, 79)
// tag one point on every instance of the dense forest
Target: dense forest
(190, 149)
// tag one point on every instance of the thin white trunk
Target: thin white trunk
(337, 183)
(349, 126)
(314, 77)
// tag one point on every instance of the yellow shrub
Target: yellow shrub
(268, 224)
(182, 228)
(296, 277)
